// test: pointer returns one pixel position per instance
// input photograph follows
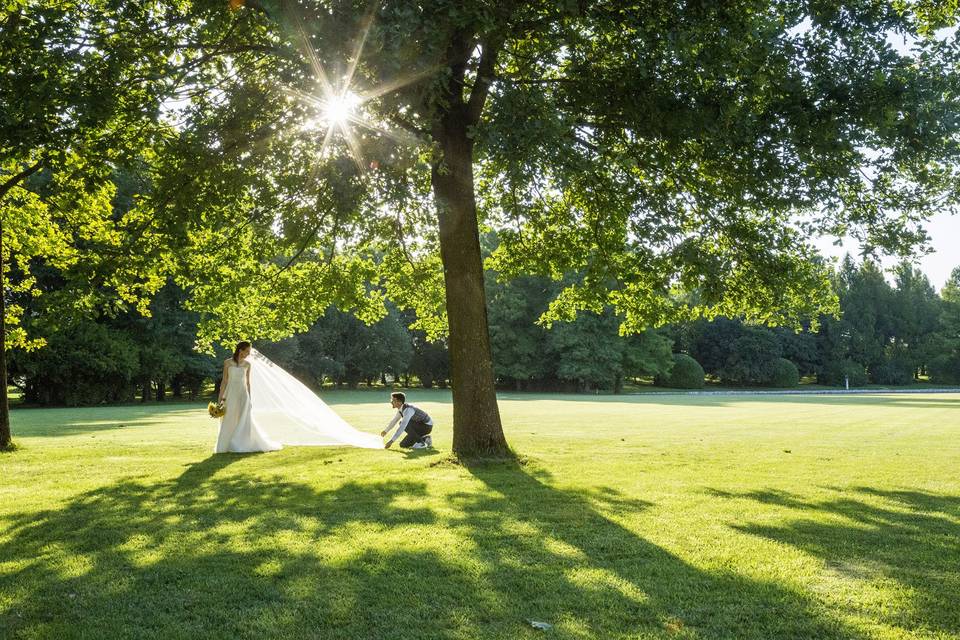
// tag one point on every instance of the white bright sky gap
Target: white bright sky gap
(943, 229)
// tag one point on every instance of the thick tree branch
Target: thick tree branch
(420, 134)
(458, 57)
(20, 177)
(485, 77)
(303, 247)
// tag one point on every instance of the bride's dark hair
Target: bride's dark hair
(240, 347)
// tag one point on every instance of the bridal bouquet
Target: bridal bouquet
(216, 410)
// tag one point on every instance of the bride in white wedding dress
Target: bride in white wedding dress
(267, 408)
(239, 432)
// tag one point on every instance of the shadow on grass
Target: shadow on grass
(214, 553)
(413, 454)
(911, 537)
(941, 401)
(56, 422)
(574, 562)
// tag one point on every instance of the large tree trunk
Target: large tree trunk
(476, 418)
(5, 435)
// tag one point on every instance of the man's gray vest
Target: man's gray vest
(419, 415)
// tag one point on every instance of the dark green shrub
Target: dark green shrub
(833, 373)
(686, 373)
(751, 358)
(784, 374)
(945, 369)
(894, 371)
(712, 342)
(83, 364)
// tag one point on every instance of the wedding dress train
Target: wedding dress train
(280, 410)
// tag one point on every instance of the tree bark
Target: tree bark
(5, 435)
(477, 429)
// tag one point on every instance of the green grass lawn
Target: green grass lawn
(628, 517)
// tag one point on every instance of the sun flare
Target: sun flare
(337, 113)
(338, 109)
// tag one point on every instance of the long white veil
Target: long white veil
(287, 411)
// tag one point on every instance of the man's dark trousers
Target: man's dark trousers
(414, 433)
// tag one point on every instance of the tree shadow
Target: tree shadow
(943, 401)
(765, 496)
(199, 472)
(908, 536)
(214, 553)
(198, 555)
(413, 454)
(79, 420)
(921, 501)
(579, 565)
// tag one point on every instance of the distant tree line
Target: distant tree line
(887, 334)
(115, 358)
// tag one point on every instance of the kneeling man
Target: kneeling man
(413, 420)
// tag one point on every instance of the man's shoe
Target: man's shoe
(419, 445)
(427, 441)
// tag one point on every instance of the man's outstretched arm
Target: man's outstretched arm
(403, 425)
(390, 424)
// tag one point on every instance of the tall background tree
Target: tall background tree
(945, 365)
